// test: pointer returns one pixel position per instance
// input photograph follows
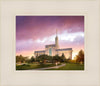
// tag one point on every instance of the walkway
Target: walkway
(50, 67)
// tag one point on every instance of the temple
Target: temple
(53, 49)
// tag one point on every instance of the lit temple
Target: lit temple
(54, 49)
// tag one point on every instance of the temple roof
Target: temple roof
(65, 49)
(39, 51)
(51, 45)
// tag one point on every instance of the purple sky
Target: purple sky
(34, 32)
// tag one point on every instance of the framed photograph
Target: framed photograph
(49, 43)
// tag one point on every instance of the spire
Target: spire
(56, 40)
(56, 32)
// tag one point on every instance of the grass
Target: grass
(70, 66)
(32, 66)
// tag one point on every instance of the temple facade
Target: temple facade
(53, 49)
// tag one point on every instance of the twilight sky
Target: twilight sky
(34, 32)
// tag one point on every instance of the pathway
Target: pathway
(50, 67)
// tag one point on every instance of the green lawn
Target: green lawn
(32, 66)
(70, 66)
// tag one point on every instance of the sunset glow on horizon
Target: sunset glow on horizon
(34, 32)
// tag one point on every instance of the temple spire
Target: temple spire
(56, 32)
(56, 40)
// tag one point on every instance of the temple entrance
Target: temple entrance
(50, 51)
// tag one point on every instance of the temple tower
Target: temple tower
(56, 41)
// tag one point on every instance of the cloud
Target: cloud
(34, 32)
(35, 27)
(24, 44)
(65, 39)
(65, 36)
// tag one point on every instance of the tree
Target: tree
(56, 58)
(20, 59)
(80, 56)
(63, 58)
(42, 58)
(32, 59)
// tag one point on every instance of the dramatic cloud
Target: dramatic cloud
(34, 32)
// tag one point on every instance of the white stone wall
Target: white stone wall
(67, 53)
(53, 50)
